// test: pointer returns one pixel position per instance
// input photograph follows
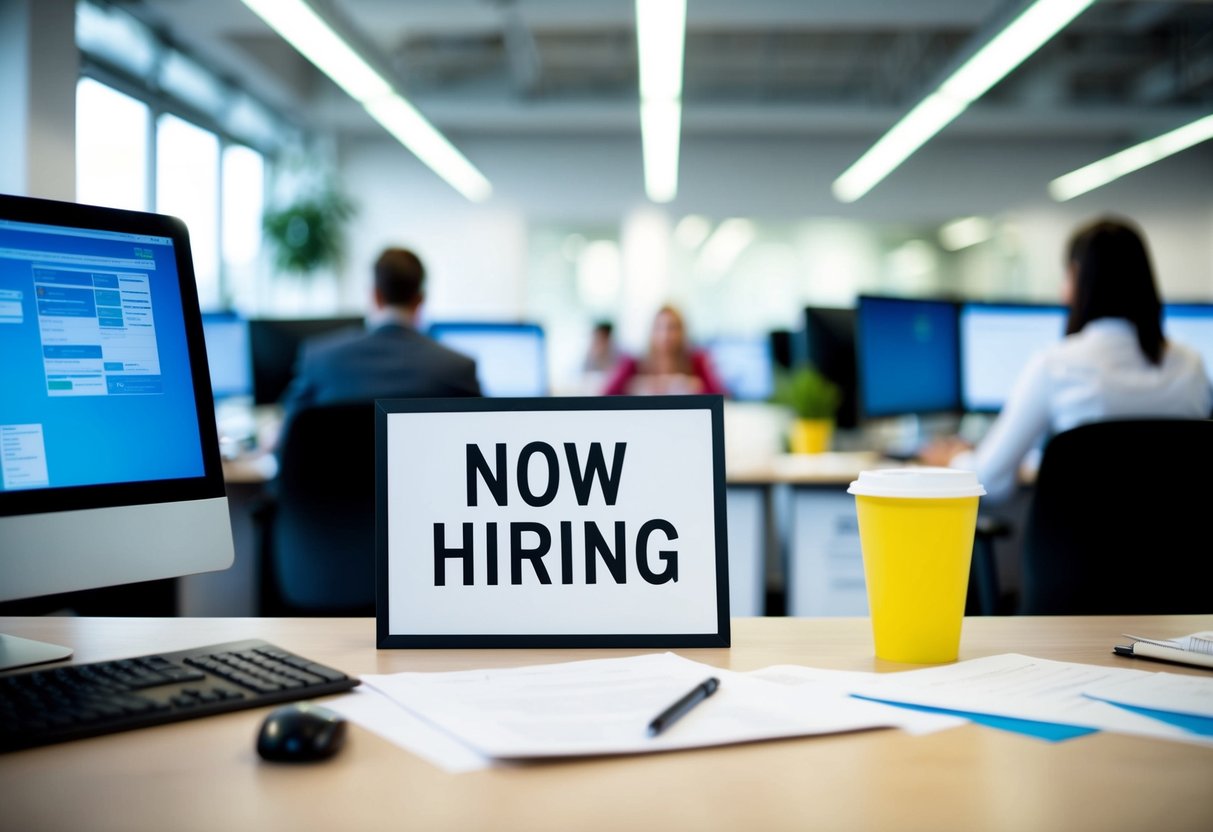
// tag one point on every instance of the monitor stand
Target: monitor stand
(19, 652)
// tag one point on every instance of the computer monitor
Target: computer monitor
(1191, 324)
(109, 460)
(907, 355)
(228, 354)
(274, 344)
(744, 364)
(996, 341)
(511, 358)
(829, 345)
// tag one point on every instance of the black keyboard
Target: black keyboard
(74, 701)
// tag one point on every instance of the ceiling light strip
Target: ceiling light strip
(300, 25)
(990, 64)
(660, 43)
(1101, 172)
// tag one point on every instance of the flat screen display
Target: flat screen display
(227, 354)
(996, 341)
(745, 364)
(511, 358)
(1191, 324)
(98, 386)
(907, 355)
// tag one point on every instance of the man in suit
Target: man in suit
(388, 359)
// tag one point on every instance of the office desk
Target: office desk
(204, 774)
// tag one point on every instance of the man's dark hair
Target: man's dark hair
(1114, 279)
(399, 274)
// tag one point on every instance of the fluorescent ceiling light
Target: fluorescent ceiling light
(302, 28)
(660, 42)
(1008, 49)
(965, 232)
(306, 30)
(659, 125)
(1100, 173)
(401, 119)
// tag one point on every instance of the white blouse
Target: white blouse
(1094, 375)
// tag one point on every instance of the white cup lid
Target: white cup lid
(917, 482)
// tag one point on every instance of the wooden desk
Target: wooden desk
(204, 774)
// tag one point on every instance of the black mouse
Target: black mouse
(301, 732)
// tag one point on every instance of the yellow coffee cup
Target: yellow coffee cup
(916, 532)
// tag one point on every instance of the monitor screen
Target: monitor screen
(745, 365)
(1191, 324)
(511, 358)
(274, 344)
(110, 460)
(996, 341)
(829, 345)
(228, 354)
(907, 354)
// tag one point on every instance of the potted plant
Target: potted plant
(814, 401)
(308, 234)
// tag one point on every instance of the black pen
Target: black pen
(675, 712)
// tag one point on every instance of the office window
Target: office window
(111, 147)
(187, 186)
(243, 203)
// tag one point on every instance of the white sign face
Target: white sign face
(528, 522)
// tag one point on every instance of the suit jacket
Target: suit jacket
(389, 361)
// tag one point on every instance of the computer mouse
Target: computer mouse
(301, 732)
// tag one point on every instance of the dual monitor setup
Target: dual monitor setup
(255, 357)
(909, 357)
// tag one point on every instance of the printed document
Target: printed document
(604, 706)
(1024, 687)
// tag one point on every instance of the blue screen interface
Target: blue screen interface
(908, 356)
(96, 373)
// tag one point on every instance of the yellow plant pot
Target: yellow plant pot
(811, 436)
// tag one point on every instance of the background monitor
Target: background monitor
(744, 364)
(275, 342)
(511, 358)
(228, 354)
(996, 341)
(109, 460)
(907, 353)
(1191, 324)
(829, 345)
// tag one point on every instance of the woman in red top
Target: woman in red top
(671, 365)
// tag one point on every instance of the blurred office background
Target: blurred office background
(198, 108)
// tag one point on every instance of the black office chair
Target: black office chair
(317, 533)
(1118, 523)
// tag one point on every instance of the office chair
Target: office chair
(317, 533)
(1117, 523)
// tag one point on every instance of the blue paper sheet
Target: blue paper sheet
(1201, 725)
(1048, 731)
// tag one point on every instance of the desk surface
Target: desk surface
(204, 774)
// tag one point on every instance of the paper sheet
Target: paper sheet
(814, 681)
(603, 706)
(379, 714)
(1023, 687)
(1192, 695)
(926, 719)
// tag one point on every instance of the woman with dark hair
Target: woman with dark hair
(1114, 362)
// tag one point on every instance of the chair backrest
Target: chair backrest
(321, 537)
(1119, 521)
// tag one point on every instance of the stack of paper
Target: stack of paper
(472, 719)
(1060, 693)
(604, 706)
